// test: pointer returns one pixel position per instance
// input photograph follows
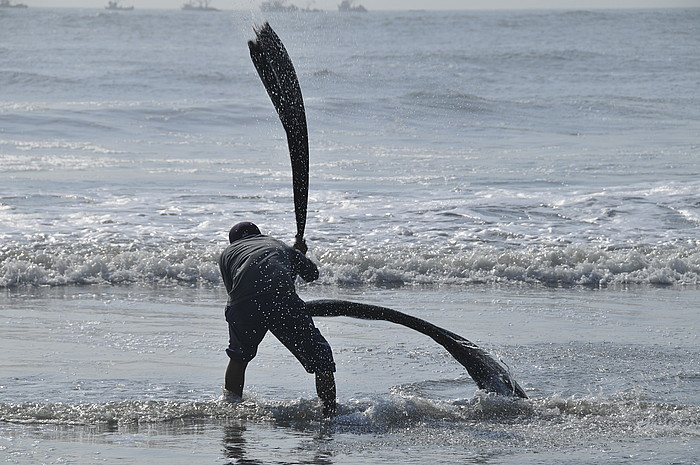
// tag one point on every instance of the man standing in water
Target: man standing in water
(259, 274)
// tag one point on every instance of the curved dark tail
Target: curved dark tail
(277, 73)
(488, 374)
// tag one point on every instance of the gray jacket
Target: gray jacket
(260, 265)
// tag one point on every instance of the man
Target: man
(259, 274)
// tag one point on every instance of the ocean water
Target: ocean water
(526, 179)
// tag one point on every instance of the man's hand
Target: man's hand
(300, 245)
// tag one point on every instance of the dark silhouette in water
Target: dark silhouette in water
(277, 73)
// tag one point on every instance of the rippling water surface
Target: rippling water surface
(527, 180)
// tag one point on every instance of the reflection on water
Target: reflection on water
(235, 445)
(241, 443)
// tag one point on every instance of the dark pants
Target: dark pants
(287, 319)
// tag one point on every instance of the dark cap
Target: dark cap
(242, 230)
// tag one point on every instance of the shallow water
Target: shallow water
(122, 373)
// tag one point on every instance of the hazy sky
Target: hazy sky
(385, 4)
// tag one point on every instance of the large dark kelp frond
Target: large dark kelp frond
(488, 374)
(277, 73)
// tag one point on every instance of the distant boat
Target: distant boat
(278, 6)
(281, 6)
(7, 4)
(347, 5)
(115, 6)
(202, 5)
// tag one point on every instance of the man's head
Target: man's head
(242, 230)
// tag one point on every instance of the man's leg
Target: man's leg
(325, 388)
(295, 328)
(235, 376)
(245, 334)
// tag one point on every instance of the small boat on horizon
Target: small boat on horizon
(114, 5)
(347, 5)
(278, 6)
(202, 5)
(281, 6)
(7, 4)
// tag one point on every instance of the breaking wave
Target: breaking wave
(189, 264)
(566, 418)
